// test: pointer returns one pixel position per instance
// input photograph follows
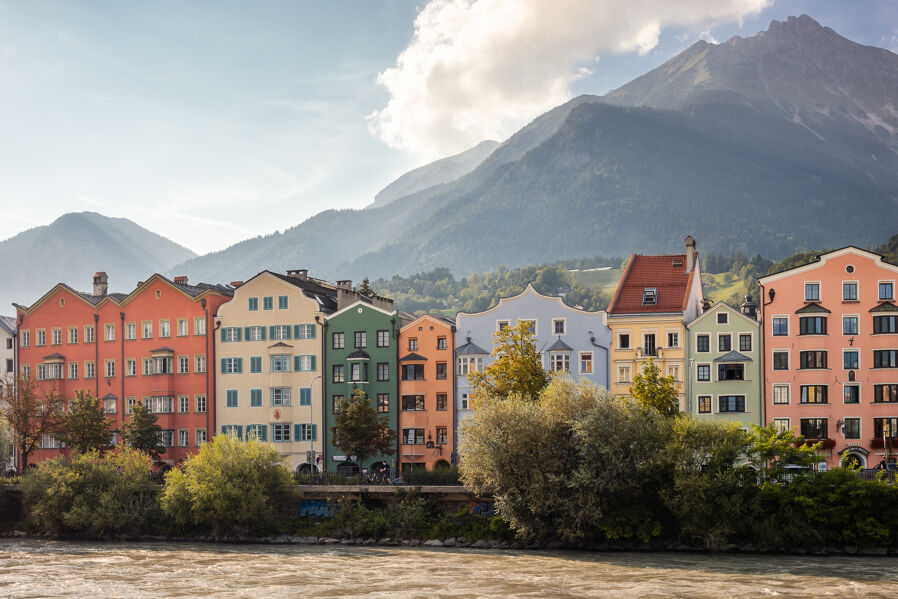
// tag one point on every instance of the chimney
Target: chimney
(299, 273)
(101, 283)
(236, 284)
(690, 253)
(706, 305)
(750, 308)
(182, 280)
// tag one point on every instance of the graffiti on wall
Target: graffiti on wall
(315, 508)
(484, 509)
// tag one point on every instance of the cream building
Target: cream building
(269, 360)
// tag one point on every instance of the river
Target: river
(33, 568)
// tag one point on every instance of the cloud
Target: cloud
(480, 69)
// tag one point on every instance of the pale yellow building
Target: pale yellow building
(269, 362)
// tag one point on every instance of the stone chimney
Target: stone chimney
(750, 308)
(101, 283)
(181, 280)
(299, 273)
(690, 253)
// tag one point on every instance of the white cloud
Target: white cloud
(480, 69)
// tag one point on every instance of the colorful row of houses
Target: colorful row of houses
(274, 357)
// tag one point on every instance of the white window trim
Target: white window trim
(804, 290)
(857, 286)
(618, 333)
(737, 345)
(860, 399)
(892, 281)
(788, 387)
(718, 336)
(498, 322)
(842, 322)
(535, 322)
(854, 349)
(704, 414)
(580, 362)
(788, 422)
(716, 407)
(788, 325)
(710, 373)
(563, 320)
(860, 429)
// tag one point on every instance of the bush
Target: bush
(94, 496)
(230, 488)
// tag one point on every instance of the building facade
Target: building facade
(830, 332)
(723, 372)
(426, 392)
(569, 340)
(361, 359)
(655, 299)
(153, 345)
(7, 347)
(270, 356)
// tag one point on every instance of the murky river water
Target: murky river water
(30, 568)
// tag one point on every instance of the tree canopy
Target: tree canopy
(142, 433)
(654, 391)
(516, 369)
(360, 431)
(32, 412)
(85, 425)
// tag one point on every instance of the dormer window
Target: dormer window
(677, 263)
(650, 296)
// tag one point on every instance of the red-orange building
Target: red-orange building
(153, 345)
(426, 379)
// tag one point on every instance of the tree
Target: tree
(365, 288)
(85, 425)
(141, 431)
(655, 391)
(772, 449)
(360, 431)
(231, 488)
(517, 368)
(32, 412)
(6, 446)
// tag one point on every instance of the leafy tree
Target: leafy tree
(655, 391)
(231, 488)
(516, 369)
(365, 288)
(32, 411)
(6, 446)
(85, 425)
(360, 431)
(772, 449)
(142, 432)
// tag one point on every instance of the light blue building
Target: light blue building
(568, 339)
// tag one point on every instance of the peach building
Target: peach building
(830, 360)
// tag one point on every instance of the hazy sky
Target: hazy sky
(210, 122)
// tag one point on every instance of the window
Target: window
(57, 336)
(383, 402)
(885, 358)
(849, 325)
(781, 394)
(167, 438)
(280, 396)
(465, 402)
(530, 325)
(282, 302)
(412, 403)
(812, 359)
(109, 332)
(383, 371)
(89, 333)
(412, 372)
(623, 374)
(9, 363)
(702, 343)
(305, 331)
(258, 432)
(812, 325)
(337, 372)
(413, 436)
(109, 406)
(231, 398)
(442, 371)
(255, 333)
(673, 371)
(468, 364)
(884, 324)
(731, 403)
(558, 326)
(441, 435)
(442, 402)
(358, 372)
(781, 424)
(361, 339)
(26, 371)
(40, 337)
(255, 398)
(230, 334)
(850, 359)
(280, 432)
(704, 404)
(745, 342)
(304, 363)
(253, 304)
(280, 332)
(703, 372)
(648, 344)
(885, 427)
(886, 290)
(280, 363)
(183, 437)
(851, 394)
(199, 363)
(724, 342)
(849, 292)
(268, 303)
(255, 364)
(337, 340)
(814, 394)
(781, 360)
(160, 404)
(730, 372)
(586, 362)
(200, 404)
(182, 327)
(502, 325)
(131, 331)
(73, 334)
(200, 436)
(25, 337)
(89, 371)
(722, 318)
(413, 344)
(441, 343)
(199, 328)
(73, 370)
(307, 432)
(560, 361)
(780, 326)
(183, 404)
(623, 341)
(305, 396)
(183, 365)
(110, 368)
(146, 330)
(885, 393)
(812, 292)
(649, 296)
(814, 428)
(231, 365)
(673, 340)
(851, 428)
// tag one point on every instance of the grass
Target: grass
(604, 279)
(723, 286)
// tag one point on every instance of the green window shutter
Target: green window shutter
(288, 331)
(296, 431)
(239, 364)
(223, 338)
(224, 366)
(312, 331)
(296, 331)
(314, 432)
(246, 333)
(240, 431)
(264, 435)
(271, 332)
(305, 396)
(224, 430)
(314, 359)
(296, 361)
(238, 333)
(263, 333)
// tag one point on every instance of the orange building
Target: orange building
(153, 345)
(426, 379)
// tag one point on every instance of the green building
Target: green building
(723, 378)
(361, 352)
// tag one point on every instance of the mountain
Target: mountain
(771, 144)
(75, 246)
(435, 173)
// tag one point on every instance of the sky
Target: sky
(213, 122)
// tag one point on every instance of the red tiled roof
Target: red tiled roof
(658, 272)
